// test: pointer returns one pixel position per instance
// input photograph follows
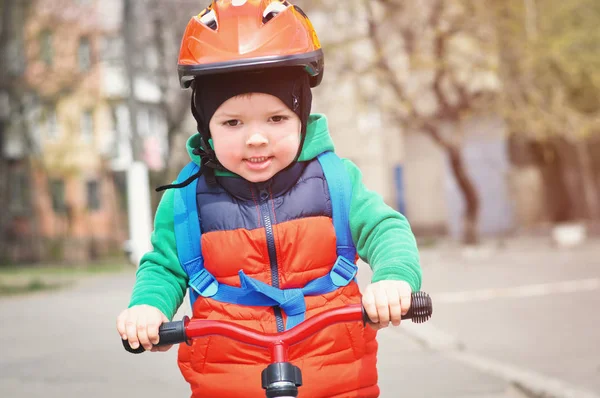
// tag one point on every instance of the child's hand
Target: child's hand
(139, 324)
(386, 301)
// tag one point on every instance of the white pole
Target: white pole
(140, 214)
(138, 189)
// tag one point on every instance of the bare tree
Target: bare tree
(160, 32)
(551, 72)
(428, 66)
(447, 48)
(168, 27)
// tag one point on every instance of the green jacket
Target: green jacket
(382, 236)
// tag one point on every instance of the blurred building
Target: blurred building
(67, 147)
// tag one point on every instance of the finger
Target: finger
(161, 348)
(368, 302)
(131, 329)
(394, 306)
(121, 325)
(152, 329)
(142, 332)
(382, 304)
(405, 303)
(378, 326)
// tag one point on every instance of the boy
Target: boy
(265, 207)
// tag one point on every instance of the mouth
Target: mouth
(258, 162)
(260, 159)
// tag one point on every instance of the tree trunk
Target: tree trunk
(587, 178)
(465, 184)
(7, 7)
(176, 111)
(469, 193)
(551, 163)
(4, 192)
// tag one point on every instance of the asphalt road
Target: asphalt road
(529, 306)
(526, 312)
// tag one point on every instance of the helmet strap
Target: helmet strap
(209, 162)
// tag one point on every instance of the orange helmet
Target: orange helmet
(238, 35)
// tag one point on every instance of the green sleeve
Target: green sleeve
(160, 279)
(382, 236)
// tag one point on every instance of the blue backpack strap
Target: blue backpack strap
(187, 234)
(253, 292)
(340, 192)
(343, 271)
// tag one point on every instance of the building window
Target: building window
(46, 50)
(87, 126)
(119, 179)
(93, 195)
(36, 116)
(19, 191)
(57, 193)
(151, 58)
(15, 55)
(112, 49)
(143, 120)
(154, 122)
(52, 123)
(84, 54)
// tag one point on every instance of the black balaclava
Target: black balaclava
(290, 85)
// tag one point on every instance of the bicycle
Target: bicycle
(280, 379)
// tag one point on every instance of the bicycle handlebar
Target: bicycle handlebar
(185, 330)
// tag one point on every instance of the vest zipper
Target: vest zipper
(266, 216)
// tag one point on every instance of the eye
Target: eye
(232, 123)
(279, 118)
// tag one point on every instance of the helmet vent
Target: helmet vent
(209, 19)
(273, 9)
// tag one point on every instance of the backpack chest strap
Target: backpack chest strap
(253, 292)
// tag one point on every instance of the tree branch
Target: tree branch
(381, 60)
(434, 133)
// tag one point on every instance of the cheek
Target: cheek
(288, 145)
(225, 148)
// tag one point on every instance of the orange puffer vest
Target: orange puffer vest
(279, 233)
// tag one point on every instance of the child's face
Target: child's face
(255, 135)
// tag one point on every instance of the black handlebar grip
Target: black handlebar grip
(172, 333)
(168, 333)
(420, 309)
(128, 348)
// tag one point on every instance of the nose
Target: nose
(257, 139)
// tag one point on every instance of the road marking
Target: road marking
(529, 382)
(542, 289)
(536, 384)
